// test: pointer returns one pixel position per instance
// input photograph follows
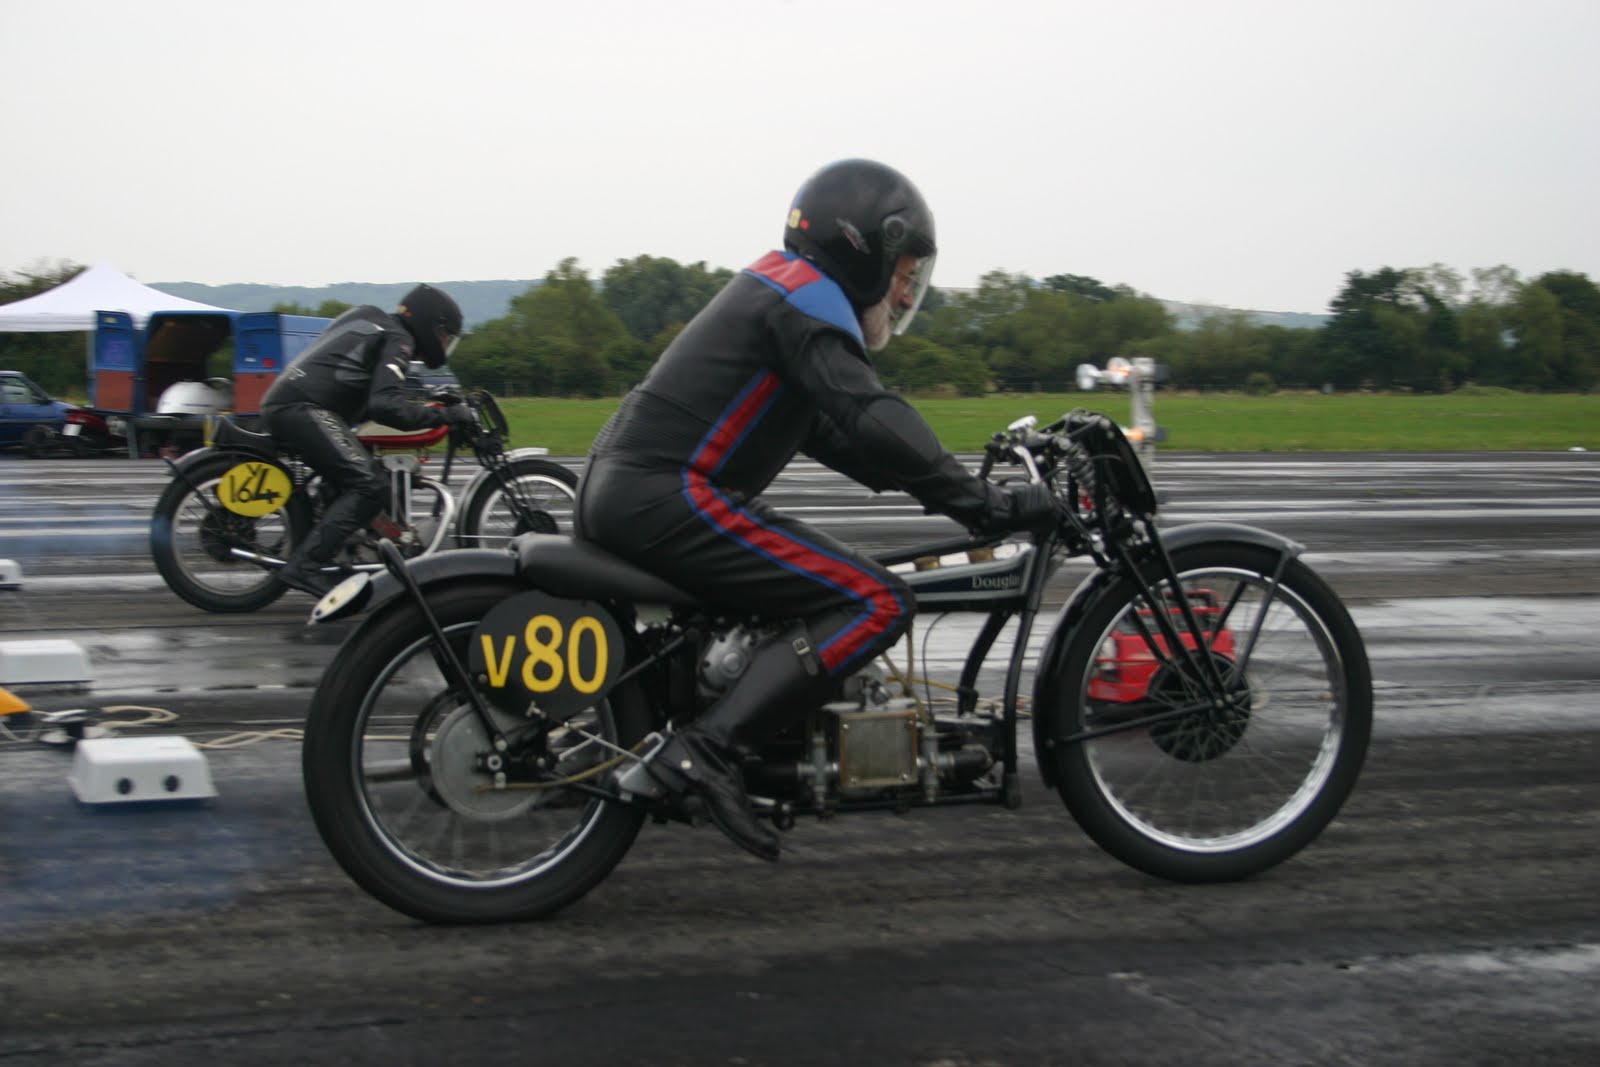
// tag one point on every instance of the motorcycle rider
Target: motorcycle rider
(356, 370)
(777, 364)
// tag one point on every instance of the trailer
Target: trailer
(152, 385)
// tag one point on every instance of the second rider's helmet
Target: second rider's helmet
(855, 219)
(434, 320)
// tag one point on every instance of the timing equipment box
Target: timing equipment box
(122, 770)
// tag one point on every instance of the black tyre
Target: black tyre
(1240, 771)
(393, 779)
(191, 535)
(38, 441)
(537, 498)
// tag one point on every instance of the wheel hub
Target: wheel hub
(1204, 734)
(220, 532)
(459, 778)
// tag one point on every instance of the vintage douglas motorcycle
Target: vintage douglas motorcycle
(235, 509)
(1202, 703)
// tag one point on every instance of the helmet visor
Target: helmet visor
(915, 282)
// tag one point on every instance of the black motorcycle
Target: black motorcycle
(1202, 703)
(235, 509)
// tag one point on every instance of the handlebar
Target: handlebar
(1103, 476)
(491, 433)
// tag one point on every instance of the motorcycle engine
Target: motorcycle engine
(727, 655)
(867, 741)
(877, 735)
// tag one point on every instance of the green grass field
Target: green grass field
(1476, 421)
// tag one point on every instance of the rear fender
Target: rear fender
(1048, 685)
(210, 453)
(382, 588)
(384, 593)
(184, 466)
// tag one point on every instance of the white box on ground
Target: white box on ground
(121, 770)
(44, 660)
(10, 574)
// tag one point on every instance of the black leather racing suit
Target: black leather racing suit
(356, 370)
(774, 365)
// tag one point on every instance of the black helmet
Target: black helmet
(854, 219)
(434, 320)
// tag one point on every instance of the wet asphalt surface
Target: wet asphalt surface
(1449, 915)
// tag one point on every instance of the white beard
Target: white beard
(877, 325)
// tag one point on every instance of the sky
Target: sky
(1246, 154)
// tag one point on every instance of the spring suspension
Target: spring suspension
(1080, 469)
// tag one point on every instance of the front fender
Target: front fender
(382, 587)
(1047, 682)
(531, 452)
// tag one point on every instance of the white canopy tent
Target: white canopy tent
(72, 304)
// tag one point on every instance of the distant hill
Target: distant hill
(480, 301)
(1188, 316)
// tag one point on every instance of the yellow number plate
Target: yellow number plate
(540, 649)
(254, 488)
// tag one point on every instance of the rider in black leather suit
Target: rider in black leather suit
(775, 365)
(357, 370)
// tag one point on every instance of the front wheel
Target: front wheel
(192, 538)
(394, 766)
(1225, 753)
(529, 495)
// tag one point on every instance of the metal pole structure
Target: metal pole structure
(1139, 376)
(1142, 391)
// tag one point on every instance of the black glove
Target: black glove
(460, 417)
(1022, 506)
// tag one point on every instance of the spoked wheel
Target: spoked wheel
(192, 537)
(1223, 757)
(396, 767)
(531, 495)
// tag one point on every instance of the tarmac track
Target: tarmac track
(1448, 915)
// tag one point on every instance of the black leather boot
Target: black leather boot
(347, 513)
(783, 680)
(307, 576)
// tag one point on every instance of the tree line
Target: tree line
(1422, 329)
(1428, 329)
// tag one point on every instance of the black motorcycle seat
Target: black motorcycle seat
(228, 433)
(560, 565)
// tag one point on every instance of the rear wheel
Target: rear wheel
(394, 759)
(192, 537)
(1223, 757)
(532, 496)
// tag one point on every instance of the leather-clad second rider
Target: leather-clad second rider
(356, 370)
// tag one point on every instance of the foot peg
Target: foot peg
(639, 780)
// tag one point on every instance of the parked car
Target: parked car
(1125, 666)
(422, 380)
(30, 418)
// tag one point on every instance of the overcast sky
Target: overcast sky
(1247, 154)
